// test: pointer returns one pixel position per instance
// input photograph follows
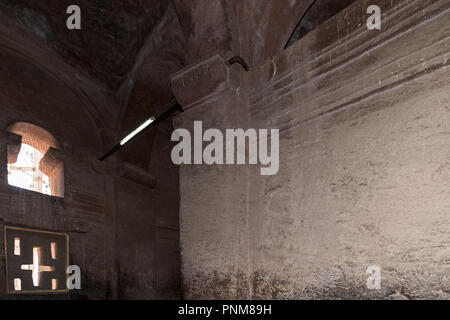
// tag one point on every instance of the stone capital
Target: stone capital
(206, 79)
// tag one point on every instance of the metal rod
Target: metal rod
(240, 61)
(298, 24)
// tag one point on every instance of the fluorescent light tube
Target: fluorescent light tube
(135, 132)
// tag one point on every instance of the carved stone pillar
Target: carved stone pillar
(213, 205)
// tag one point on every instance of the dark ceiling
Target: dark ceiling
(112, 31)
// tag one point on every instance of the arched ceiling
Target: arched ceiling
(112, 33)
(252, 29)
(29, 87)
(133, 46)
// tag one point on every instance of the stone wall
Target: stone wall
(36, 88)
(123, 233)
(364, 164)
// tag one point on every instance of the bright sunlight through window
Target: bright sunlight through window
(25, 172)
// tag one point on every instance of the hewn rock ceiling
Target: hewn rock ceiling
(252, 29)
(317, 14)
(112, 33)
(133, 46)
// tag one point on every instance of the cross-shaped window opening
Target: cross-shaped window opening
(36, 268)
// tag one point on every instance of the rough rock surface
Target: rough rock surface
(364, 164)
(111, 35)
